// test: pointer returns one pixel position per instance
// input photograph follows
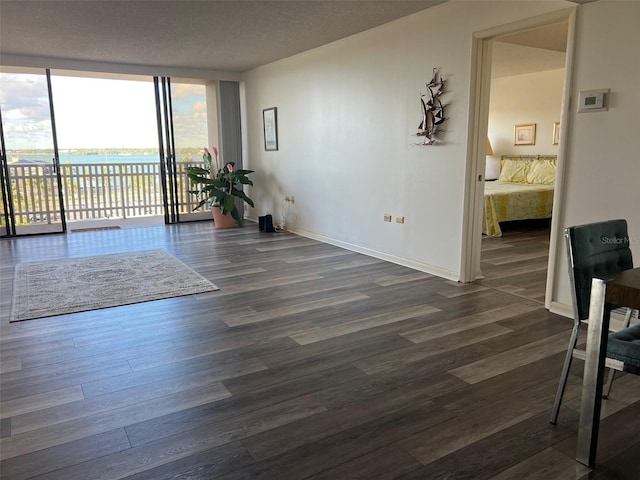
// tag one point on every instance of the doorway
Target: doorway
(480, 106)
(527, 78)
(32, 200)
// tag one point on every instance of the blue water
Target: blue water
(66, 159)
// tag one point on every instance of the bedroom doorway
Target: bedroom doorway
(521, 77)
(527, 78)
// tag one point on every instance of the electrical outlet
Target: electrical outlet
(399, 219)
(387, 217)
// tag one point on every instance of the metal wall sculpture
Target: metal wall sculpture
(432, 109)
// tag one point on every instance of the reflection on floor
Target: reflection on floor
(95, 229)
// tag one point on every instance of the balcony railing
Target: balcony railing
(94, 191)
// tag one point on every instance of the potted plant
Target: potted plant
(218, 187)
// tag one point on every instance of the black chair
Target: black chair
(624, 346)
(595, 250)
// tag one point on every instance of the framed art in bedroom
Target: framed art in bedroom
(524, 134)
(270, 121)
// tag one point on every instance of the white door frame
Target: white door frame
(477, 134)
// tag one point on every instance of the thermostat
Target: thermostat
(593, 100)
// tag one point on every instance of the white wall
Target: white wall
(602, 177)
(347, 115)
(530, 98)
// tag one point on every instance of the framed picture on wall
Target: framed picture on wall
(556, 132)
(270, 122)
(524, 134)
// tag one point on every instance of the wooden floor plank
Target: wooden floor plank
(468, 322)
(625, 391)
(387, 463)
(64, 455)
(401, 357)
(545, 465)
(340, 419)
(108, 402)
(192, 442)
(10, 365)
(5, 427)
(238, 405)
(320, 333)
(34, 440)
(149, 376)
(238, 320)
(42, 383)
(19, 406)
(618, 433)
(494, 454)
(459, 432)
(206, 465)
(625, 466)
(502, 362)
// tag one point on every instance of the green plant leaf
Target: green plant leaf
(220, 189)
(197, 171)
(245, 181)
(228, 202)
(243, 196)
(236, 216)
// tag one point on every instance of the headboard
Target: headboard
(527, 158)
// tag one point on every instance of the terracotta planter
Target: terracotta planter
(222, 221)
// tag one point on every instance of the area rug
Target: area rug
(57, 287)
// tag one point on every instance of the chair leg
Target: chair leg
(612, 373)
(606, 390)
(564, 375)
(627, 318)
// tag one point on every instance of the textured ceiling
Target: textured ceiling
(231, 36)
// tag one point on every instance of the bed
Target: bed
(523, 191)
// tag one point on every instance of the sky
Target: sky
(95, 113)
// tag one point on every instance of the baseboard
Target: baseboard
(561, 309)
(405, 262)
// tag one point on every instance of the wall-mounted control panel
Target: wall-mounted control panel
(593, 100)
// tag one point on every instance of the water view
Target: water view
(99, 157)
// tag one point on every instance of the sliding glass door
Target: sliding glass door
(182, 135)
(108, 150)
(31, 183)
(123, 152)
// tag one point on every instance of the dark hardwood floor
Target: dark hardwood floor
(310, 362)
(516, 263)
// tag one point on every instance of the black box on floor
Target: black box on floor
(265, 223)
